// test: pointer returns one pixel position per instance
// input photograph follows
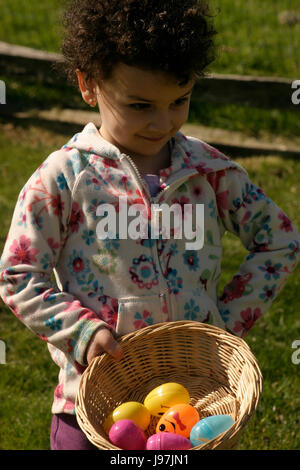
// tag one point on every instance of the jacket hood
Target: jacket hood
(187, 152)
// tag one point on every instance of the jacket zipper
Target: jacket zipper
(162, 281)
(156, 198)
(140, 178)
(153, 200)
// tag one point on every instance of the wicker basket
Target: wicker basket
(218, 369)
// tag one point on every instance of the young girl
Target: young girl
(138, 61)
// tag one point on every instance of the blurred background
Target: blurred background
(258, 38)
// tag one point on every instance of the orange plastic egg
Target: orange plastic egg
(178, 419)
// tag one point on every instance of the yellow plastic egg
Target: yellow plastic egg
(133, 410)
(161, 398)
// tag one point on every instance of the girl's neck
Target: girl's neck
(153, 164)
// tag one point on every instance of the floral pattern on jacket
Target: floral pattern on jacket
(127, 284)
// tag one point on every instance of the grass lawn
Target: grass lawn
(251, 40)
(29, 377)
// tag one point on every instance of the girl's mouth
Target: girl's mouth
(152, 139)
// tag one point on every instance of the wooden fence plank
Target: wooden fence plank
(262, 92)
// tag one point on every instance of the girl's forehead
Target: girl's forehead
(133, 82)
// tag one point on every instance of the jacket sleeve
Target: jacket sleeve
(38, 231)
(272, 241)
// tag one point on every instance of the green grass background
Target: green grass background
(250, 38)
(251, 41)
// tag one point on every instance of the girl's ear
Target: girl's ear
(87, 88)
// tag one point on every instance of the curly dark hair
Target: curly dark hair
(172, 36)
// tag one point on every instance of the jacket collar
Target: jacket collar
(188, 153)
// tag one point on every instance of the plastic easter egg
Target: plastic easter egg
(161, 398)
(209, 428)
(133, 410)
(168, 441)
(127, 435)
(179, 419)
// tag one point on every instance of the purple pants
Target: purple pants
(67, 435)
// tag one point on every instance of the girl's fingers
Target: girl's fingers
(103, 341)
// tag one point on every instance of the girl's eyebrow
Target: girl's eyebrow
(138, 98)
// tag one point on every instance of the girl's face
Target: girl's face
(141, 110)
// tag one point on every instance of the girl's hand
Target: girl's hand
(103, 341)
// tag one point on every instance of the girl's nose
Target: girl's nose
(161, 123)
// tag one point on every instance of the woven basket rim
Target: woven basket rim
(129, 339)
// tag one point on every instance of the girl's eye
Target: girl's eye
(180, 101)
(139, 106)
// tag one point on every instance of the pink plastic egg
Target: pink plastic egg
(127, 435)
(168, 441)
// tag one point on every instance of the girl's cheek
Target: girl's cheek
(182, 116)
(137, 121)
